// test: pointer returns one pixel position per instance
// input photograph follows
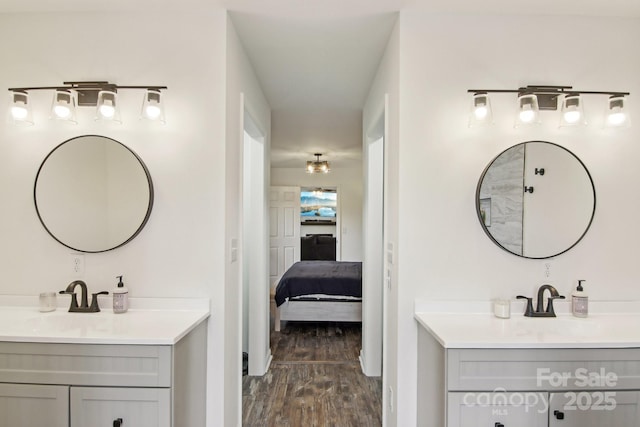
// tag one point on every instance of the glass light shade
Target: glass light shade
(318, 166)
(107, 108)
(528, 111)
(616, 115)
(480, 113)
(572, 111)
(20, 109)
(152, 106)
(63, 106)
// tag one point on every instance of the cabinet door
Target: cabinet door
(27, 405)
(493, 409)
(137, 407)
(590, 408)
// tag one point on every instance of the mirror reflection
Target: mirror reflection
(536, 199)
(93, 194)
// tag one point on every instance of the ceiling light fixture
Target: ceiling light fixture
(318, 166)
(99, 94)
(535, 98)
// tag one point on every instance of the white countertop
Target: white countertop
(473, 325)
(149, 321)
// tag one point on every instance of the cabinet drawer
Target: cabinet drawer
(609, 408)
(27, 405)
(486, 409)
(86, 364)
(542, 369)
(139, 407)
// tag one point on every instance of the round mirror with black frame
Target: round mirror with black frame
(93, 194)
(536, 200)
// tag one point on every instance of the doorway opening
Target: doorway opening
(319, 223)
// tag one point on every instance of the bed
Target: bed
(320, 291)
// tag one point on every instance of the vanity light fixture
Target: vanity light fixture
(318, 166)
(572, 111)
(616, 113)
(101, 95)
(532, 99)
(528, 109)
(108, 107)
(153, 106)
(480, 109)
(63, 106)
(20, 108)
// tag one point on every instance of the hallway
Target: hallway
(314, 380)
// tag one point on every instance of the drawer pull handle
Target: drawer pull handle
(499, 425)
(559, 415)
(117, 422)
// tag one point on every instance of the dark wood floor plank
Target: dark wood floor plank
(315, 380)
(300, 341)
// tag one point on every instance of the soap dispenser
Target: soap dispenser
(120, 297)
(580, 301)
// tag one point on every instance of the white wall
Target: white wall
(243, 93)
(445, 253)
(181, 251)
(349, 184)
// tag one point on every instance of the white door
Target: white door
(28, 405)
(588, 408)
(284, 231)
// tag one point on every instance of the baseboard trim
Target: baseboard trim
(269, 359)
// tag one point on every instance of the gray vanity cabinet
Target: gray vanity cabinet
(28, 405)
(94, 385)
(532, 387)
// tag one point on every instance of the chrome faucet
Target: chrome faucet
(540, 310)
(84, 306)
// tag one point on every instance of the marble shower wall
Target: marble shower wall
(502, 198)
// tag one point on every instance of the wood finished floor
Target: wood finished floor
(314, 380)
